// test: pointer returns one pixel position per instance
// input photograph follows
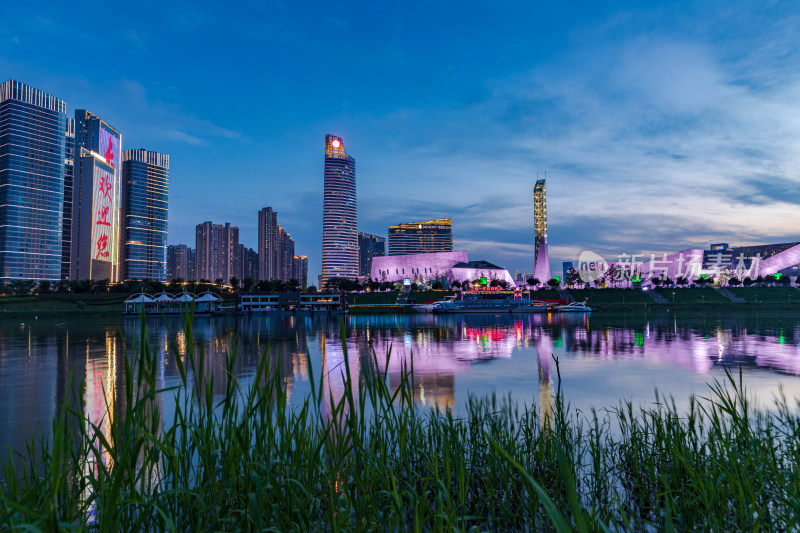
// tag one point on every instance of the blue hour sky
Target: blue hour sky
(660, 125)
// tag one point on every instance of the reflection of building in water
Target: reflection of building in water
(430, 390)
(334, 374)
(29, 379)
(544, 355)
(436, 349)
(42, 362)
(695, 344)
(104, 398)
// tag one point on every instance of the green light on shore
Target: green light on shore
(637, 279)
(483, 281)
(778, 275)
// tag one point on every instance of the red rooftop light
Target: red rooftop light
(335, 143)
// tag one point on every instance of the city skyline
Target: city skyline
(687, 112)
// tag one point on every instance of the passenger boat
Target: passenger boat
(574, 307)
(491, 300)
(429, 308)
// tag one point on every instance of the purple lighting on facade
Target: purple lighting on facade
(455, 266)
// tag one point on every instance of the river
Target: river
(603, 357)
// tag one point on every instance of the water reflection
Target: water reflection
(41, 362)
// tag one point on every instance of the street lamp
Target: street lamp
(673, 296)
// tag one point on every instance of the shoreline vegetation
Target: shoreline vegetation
(359, 455)
(603, 300)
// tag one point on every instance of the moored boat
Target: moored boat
(491, 300)
(574, 307)
(430, 307)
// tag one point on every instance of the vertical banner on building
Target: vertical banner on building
(104, 215)
(109, 147)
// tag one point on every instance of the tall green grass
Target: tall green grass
(370, 460)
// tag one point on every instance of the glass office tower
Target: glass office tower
(69, 171)
(339, 216)
(33, 127)
(369, 246)
(426, 237)
(145, 195)
(96, 190)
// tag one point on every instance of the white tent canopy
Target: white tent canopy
(208, 297)
(141, 298)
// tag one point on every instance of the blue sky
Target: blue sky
(660, 125)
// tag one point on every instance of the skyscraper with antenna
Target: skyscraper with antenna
(541, 259)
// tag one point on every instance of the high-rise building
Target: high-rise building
(143, 218)
(202, 250)
(247, 266)
(33, 126)
(268, 244)
(429, 236)
(541, 259)
(566, 266)
(285, 255)
(339, 213)
(369, 246)
(69, 174)
(180, 262)
(96, 191)
(217, 248)
(300, 270)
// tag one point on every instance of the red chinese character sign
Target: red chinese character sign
(109, 147)
(104, 214)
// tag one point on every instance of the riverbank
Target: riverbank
(56, 304)
(358, 454)
(602, 300)
(611, 299)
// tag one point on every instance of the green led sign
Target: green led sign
(483, 281)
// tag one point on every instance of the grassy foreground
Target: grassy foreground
(370, 460)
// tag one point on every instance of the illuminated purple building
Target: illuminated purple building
(716, 264)
(541, 259)
(339, 216)
(420, 268)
